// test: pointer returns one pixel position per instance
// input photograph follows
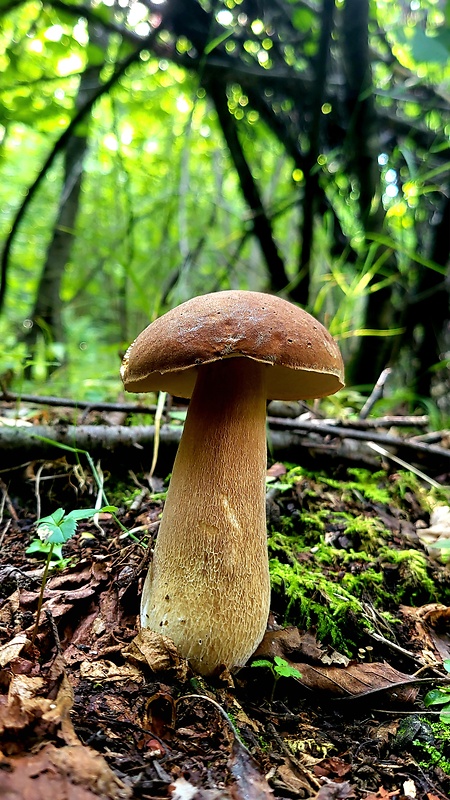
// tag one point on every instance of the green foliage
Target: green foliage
(314, 601)
(279, 669)
(318, 583)
(415, 584)
(53, 532)
(57, 529)
(440, 697)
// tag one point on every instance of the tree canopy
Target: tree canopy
(151, 151)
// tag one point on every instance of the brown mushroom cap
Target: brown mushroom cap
(304, 359)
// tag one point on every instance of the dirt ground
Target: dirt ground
(91, 708)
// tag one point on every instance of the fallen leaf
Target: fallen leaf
(430, 629)
(297, 784)
(104, 670)
(349, 680)
(156, 652)
(65, 773)
(332, 766)
(12, 649)
(250, 784)
(335, 791)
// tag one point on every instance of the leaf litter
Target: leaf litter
(96, 708)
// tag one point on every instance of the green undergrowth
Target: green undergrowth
(435, 753)
(341, 555)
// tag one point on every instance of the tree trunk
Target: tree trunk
(47, 312)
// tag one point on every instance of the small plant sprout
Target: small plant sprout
(440, 697)
(53, 532)
(279, 669)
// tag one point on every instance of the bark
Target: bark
(47, 311)
(261, 224)
(362, 149)
(309, 443)
(311, 196)
(430, 305)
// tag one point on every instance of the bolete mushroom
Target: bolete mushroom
(208, 585)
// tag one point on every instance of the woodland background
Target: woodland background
(151, 151)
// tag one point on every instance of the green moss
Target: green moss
(314, 601)
(436, 754)
(414, 584)
(332, 556)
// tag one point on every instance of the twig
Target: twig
(7, 500)
(66, 402)
(376, 394)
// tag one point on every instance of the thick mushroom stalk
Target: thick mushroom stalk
(208, 586)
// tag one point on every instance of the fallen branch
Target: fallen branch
(326, 429)
(66, 402)
(304, 442)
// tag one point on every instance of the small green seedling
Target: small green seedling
(279, 669)
(440, 697)
(53, 532)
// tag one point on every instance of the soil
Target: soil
(90, 708)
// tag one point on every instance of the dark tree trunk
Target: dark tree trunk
(362, 152)
(311, 196)
(47, 311)
(429, 309)
(262, 227)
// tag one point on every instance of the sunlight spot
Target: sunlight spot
(224, 17)
(72, 63)
(391, 190)
(110, 142)
(257, 26)
(36, 46)
(54, 33)
(183, 104)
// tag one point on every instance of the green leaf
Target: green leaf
(218, 40)
(54, 518)
(428, 48)
(83, 513)
(262, 662)
(444, 716)
(44, 548)
(67, 527)
(446, 665)
(436, 697)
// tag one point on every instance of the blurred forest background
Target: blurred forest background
(155, 150)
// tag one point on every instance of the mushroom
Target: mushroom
(208, 586)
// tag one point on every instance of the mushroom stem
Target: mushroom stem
(208, 586)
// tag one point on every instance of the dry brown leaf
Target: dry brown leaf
(249, 784)
(349, 680)
(65, 773)
(295, 783)
(12, 649)
(357, 680)
(335, 791)
(333, 765)
(431, 630)
(59, 712)
(9, 609)
(157, 652)
(289, 643)
(103, 670)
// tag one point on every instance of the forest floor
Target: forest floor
(92, 708)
